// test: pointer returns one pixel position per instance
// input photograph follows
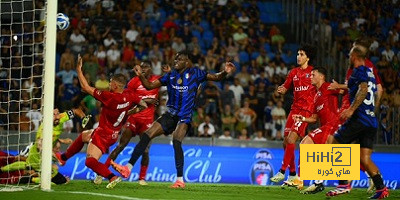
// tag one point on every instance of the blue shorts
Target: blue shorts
(354, 131)
(169, 122)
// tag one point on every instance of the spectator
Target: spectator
(259, 136)
(246, 118)
(102, 83)
(113, 57)
(155, 52)
(268, 121)
(132, 34)
(109, 41)
(228, 119)
(178, 45)
(244, 77)
(35, 116)
(213, 102)
(386, 128)
(243, 135)
(206, 129)
(237, 90)
(68, 74)
(240, 38)
(388, 53)
(279, 121)
(227, 96)
(77, 40)
(226, 135)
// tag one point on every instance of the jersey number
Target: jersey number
(371, 100)
(120, 118)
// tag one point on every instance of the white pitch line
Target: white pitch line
(103, 195)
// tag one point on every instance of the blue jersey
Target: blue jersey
(182, 88)
(365, 112)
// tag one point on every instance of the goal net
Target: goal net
(22, 70)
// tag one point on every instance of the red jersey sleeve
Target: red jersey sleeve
(369, 64)
(134, 98)
(104, 97)
(289, 79)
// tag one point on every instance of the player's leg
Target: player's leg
(92, 161)
(126, 136)
(278, 177)
(177, 138)
(366, 146)
(144, 165)
(155, 130)
(75, 147)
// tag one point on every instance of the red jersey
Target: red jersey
(346, 99)
(326, 105)
(115, 107)
(303, 90)
(135, 86)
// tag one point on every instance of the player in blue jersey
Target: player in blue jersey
(182, 83)
(361, 123)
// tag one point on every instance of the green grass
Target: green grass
(128, 190)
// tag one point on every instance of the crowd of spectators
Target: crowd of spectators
(112, 36)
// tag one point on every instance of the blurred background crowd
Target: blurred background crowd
(113, 36)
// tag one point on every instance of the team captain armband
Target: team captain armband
(70, 114)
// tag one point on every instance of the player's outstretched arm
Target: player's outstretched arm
(229, 68)
(146, 83)
(335, 85)
(82, 80)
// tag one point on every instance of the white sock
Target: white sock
(130, 166)
(179, 179)
(366, 173)
(318, 181)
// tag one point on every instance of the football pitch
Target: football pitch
(155, 190)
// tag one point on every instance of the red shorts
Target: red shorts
(297, 127)
(320, 135)
(138, 125)
(103, 138)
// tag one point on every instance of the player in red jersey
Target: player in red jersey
(137, 123)
(300, 79)
(326, 110)
(116, 106)
(363, 44)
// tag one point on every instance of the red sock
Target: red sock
(108, 161)
(362, 168)
(74, 148)
(143, 172)
(292, 165)
(100, 168)
(289, 153)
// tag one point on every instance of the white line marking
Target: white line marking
(103, 195)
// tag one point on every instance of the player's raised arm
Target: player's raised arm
(229, 68)
(146, 83)
(82, 80)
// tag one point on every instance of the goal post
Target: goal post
(48, 98)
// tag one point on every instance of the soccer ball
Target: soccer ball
(62, 21)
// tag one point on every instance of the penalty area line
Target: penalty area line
(103, 195)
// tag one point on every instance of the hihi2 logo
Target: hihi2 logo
(330, 161)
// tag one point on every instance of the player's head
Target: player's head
(363, 43)
(305, 54)
(356, 53)
(117, 82)
(56, 116)
(318, 76)
(181, 60)
(146, 68)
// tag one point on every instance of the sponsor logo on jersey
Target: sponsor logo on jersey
(295, 78)
(180, 88)
(307, 75)
(124, 105)
(301, 88)
(141, 87)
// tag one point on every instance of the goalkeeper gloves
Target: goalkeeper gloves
(85, 120)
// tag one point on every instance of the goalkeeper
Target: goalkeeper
(33, 161)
